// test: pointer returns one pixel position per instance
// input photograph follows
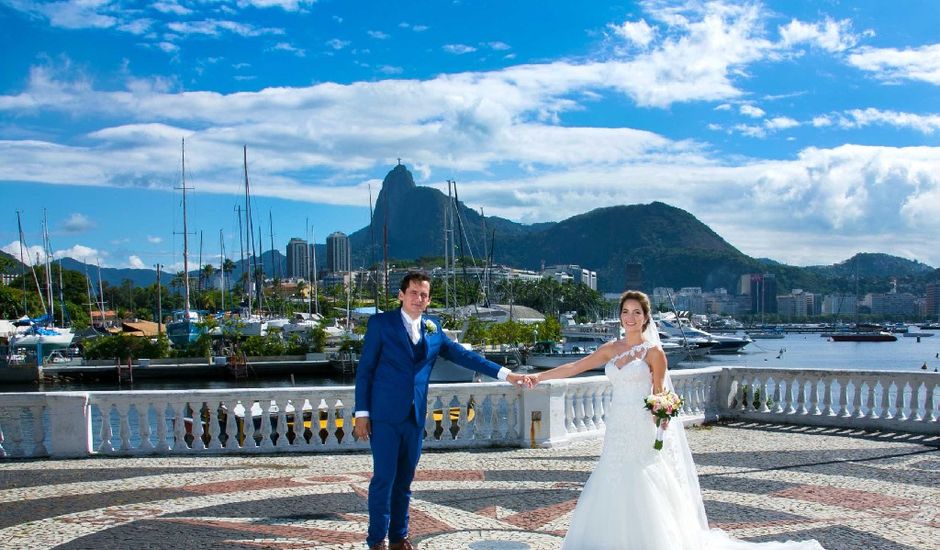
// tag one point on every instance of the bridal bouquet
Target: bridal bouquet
(663, 405)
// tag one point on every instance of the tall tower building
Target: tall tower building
(297, 256)
(933, 301)
(337, 252)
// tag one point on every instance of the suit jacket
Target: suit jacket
(391, 378)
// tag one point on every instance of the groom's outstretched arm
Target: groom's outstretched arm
(474, 361)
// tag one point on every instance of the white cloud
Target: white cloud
(830, 35)
(857, 118)
(751, 111)
(286, 47)
(286, 5)
(822, 121)
(458, 49)
(136, 263)
(781, 123)
(171, 6)
(214, 27)
(154, 240)
(415, 28)
(29, 253)
(723, 107)
(78, 252)
(337, 44)
(499, 46)
(390, 69)
(378, 35)
(77, 223)
(892, 64)
(637, 32)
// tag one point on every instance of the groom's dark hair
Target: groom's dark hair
(416, 276)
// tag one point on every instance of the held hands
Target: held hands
(363, 428)
(527, 381)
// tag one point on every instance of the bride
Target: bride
(638, 497)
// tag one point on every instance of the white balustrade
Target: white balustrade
(869, 400)
(315, 419)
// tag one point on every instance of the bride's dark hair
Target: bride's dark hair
(639, 297)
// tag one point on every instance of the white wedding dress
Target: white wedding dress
(639, 498)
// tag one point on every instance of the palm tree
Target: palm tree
(206, 274)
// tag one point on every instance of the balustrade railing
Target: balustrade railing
(869, 400)
(312, 419)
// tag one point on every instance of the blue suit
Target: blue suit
(392, 384)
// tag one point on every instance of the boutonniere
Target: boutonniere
(429, 326)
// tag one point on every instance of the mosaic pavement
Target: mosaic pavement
(849, 490)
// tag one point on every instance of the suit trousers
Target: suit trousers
(396, 448)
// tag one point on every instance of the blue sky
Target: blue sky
(800, 131)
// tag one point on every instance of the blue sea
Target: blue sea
(812, 351)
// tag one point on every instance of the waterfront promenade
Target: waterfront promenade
(847, 488)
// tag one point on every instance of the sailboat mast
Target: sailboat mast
(88, 291)
(274, 266)
(45, 245)
(62, 296)
(185, 237)
(313, 277)
(446, 251)
(100, 291)
(222, 267)
(19, 226)
(248, 237)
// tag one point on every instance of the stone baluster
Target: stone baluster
(870, 399)
(266, 439)
(894, 405)
(282, 442)
(348, 414)
(143, 426)
(124, 425)
(299, 427)
(39, 433)
(468, 428)
(814, 396)
(787, 398)
(828, 390)
(767, 388)
(198, 443)
(105, 445)
(779, 395)
(432, 424)
(163, 443)
(885, 412)
(801, 395)
(856, 411)
(588, 401)
(249, 425)
(907, 408)
(569, 410)
(930, 405)
(508, 417)
(231, 425)
(215, 431)
(484, 418)
(843, 397)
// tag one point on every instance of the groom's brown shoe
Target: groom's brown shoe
(379, 546)
(403, 544)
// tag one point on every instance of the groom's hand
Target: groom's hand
(516, 379)
(363, 428)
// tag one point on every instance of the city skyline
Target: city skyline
(802, 132)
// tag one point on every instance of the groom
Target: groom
(391, 402)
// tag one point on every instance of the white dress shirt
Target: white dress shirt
(413, 327)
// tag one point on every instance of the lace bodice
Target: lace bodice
(627, 420)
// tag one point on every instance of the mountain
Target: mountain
(674, 248)
(415, 218)
(873, 265)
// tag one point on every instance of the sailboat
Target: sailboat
(40, 333)
(186, 327)
(862, 332)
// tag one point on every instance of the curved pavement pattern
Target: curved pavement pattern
(849, 490)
